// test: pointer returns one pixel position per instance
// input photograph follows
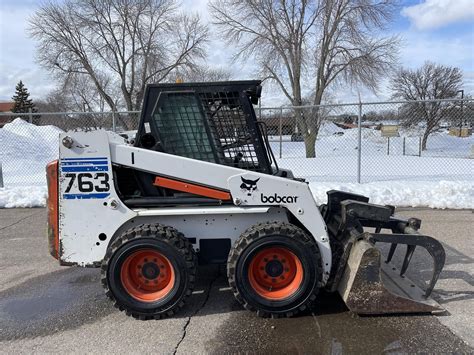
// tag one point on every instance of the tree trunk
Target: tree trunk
(430, 125)
(425, 139)
(310, 116)
(310, 144)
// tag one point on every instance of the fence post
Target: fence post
(1, 175)
(419, 146)
(30, 116)
(359, 140)
(403, 145)
(114, 128)
(280, 131)
(388, 145)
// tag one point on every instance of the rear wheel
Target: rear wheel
(149, 271)
(275, 269)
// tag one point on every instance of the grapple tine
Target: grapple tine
(393, 247)
(434, 248)
(369, 286)
(407, 259)
(439, 257)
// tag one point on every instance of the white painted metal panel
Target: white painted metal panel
(84, 215)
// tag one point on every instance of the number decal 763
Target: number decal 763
(88, 182)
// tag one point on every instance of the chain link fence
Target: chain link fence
(360, 142)
(378, 141)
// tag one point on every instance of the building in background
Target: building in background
(5, 106)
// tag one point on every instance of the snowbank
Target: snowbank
(25, 151)
(434, 194)
(27, 196)
(20, 139)
(329, 129)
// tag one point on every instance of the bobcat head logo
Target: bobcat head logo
(249, 185)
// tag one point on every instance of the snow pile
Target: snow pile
(25, 151)
(442, 194)
(20, 139)
(328, 129)
(27, 196)
(368, 135)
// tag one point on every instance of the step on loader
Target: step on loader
(199, 184)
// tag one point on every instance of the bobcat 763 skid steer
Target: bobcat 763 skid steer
(200, 183)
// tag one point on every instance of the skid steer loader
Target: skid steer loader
(199, 184)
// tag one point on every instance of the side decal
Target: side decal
(86, 178)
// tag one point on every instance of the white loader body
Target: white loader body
(91, 213)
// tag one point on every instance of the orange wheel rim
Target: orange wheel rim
(147, 275)
(275, 273)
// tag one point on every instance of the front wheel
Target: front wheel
(275, 269)
(149, 271)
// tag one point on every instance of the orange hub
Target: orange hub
(147, 275)
(275, 273)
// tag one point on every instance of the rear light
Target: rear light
(53, 210)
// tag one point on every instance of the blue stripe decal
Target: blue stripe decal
(84, 196)
(84, 168)
(102, 158)
(84, 162)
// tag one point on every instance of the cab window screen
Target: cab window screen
(181, 126)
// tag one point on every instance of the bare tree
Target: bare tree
(127, 43)
(201, 73)
(430, 82)
(310, 45)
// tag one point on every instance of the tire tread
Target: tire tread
(170, 236)
(262, 230)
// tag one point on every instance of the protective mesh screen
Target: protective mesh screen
(229, 125)
(207, 125)
(182, 127)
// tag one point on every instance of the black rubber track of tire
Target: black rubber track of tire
(168, 235)
(262, 230)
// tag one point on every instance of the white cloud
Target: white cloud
(438, 13)
(454, 52)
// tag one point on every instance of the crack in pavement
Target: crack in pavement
(208, 293)
(20, 220)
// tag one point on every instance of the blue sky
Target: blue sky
(441, 31)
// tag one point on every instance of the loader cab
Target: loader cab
(213, 122)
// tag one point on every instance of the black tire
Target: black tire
(151, 238)
(278, 236)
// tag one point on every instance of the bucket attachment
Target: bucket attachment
(370, 286)
(367, 284)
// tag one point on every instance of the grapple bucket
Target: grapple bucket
(371, 286)
(368, 284)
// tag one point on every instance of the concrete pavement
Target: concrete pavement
(52, 309)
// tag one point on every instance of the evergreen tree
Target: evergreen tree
(22, 101)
